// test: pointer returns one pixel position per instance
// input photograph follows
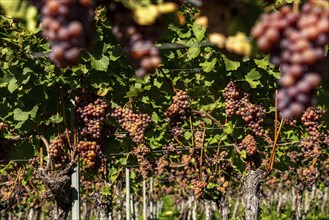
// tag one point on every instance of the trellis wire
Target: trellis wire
(165, 150)
(161, 46)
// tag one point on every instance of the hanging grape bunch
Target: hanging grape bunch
(91, 153)
(145, 165)
(310, 149)
(233, 98)
(308, 176)
(178, 112)
(68, 26)
(296, 43)
(237, 102)
(57, 148)
(93, 117)
(198, 135)
(253, 116)
(162, 165)
(312, 121)
(198, 188)
(135, 124)
(249, 144)
(138, 38)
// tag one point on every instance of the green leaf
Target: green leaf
(19, 115)
(155, 117)
(34, 111)
(230, 64)
(228, 128)
(243, 154)
(263, 63)
(27, 176)
(187, 135)
(198, 31)
(20, 9)
(12, 86)
(100, 65)
(106, 191)
(253, 78)
(193, 52)
(208, 66)
(55, 119)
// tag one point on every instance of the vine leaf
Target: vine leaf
(100, 65)
(208, 66)
(230, 64)
(20, 115)
(198, 31)
(12, 86)
(253, 78)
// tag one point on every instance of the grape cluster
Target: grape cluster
(291, 122)
(198, 136)
(309, 175)
(310, 148)
(68, 26)
(162, 164)
(135, 124)
(93, 116)
(223, 184)
(249, 144)
(326, 140)
(138, 40)
(198, 188)
(233, 98)
(178, 112)
(172, 148)
(296, 42)
(293, 155)
(312, 121)
(33, 162)
(145, 165)
(253, 116)
(91, 152)
(57, 152)
(237, 102)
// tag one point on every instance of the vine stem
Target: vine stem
(218, 123)
(271, 162)
(206, 115)
(191, 127)
(276, 114)
(217, 155)
(41, 156)
(45, 142)
(201, 156)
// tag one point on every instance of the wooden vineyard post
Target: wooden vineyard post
(144, 200)
(75, 192)
(151, 199)
(75, 176)
(127, 194)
